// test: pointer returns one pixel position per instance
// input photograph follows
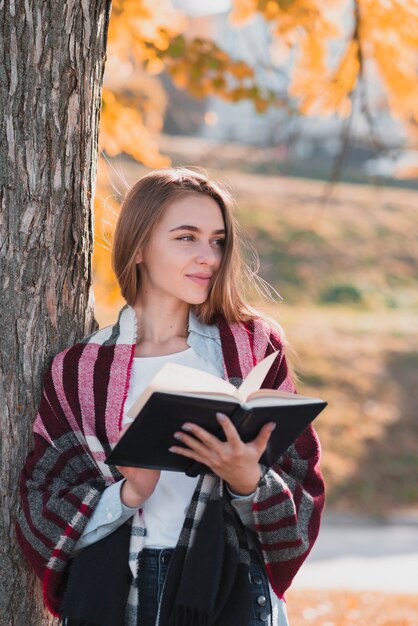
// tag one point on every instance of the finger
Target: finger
(193, 443)
(190, 454)
(209, 440)
(229, 429)
(260, 442)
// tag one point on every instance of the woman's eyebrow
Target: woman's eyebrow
(195, 229)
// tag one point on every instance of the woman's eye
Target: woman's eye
(217, 242)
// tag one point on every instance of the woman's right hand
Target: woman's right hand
(139, 484)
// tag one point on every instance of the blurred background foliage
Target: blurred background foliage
(278, 99)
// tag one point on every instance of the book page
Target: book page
(207, 395)
(271, 398)
(274, 393)
(253, 380)
(180, 379)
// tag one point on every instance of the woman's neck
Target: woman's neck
(163, 327)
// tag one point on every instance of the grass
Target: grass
(368, 375)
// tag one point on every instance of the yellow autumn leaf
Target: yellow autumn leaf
(242, 11)
(241, 70)
(155, 66)
(261, 105)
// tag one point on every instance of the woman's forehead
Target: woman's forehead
(194, 209)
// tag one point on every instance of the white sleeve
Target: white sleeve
(243, 507)
(109, 514)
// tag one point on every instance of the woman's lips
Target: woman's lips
(199, 280)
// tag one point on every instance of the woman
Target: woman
(117, 546)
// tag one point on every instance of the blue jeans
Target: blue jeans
(153, 570)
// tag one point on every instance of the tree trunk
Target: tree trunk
(52, 57)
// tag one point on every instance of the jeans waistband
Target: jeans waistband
(156, 555)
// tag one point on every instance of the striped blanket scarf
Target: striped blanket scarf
(78, 423)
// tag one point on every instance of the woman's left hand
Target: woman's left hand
(233, 460)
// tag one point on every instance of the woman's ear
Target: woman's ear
(138, 258)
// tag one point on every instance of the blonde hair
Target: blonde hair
(144, 205)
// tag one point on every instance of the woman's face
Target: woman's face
(185, 250)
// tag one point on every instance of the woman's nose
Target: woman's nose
(206, 254)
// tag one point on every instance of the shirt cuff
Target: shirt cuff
(109, 509)
(236, 496)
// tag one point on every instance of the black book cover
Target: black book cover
(147, 440)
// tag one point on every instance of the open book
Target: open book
(178, 394)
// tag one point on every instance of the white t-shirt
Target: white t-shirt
(165, 509)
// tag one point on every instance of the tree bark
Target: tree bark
(52, 56)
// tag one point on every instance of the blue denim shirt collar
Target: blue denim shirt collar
(206, 330)
(206, 342)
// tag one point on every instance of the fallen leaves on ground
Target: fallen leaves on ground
(350, 608)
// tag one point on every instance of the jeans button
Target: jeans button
(261, 600)
(264, 616)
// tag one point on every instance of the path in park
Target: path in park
(359, 554)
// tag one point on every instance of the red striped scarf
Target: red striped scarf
(79, 421)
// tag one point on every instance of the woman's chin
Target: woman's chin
(196, 299)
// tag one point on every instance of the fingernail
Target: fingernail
(187, 427)
(172, 449)
(177, 435)
(220, 417)
(272, 426)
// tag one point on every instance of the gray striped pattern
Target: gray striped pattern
(64, 510)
